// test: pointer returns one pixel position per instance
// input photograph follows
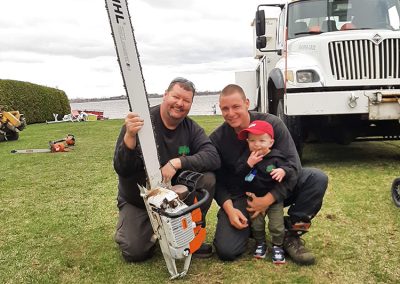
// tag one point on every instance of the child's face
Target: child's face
(260, 143)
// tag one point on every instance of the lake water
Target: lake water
(113, 109)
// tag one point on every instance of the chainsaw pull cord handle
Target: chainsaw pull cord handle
(70, 140)
(187, 209)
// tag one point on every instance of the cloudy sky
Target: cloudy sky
(67, 43)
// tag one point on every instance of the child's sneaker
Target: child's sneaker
(261, 250)
(278, 255)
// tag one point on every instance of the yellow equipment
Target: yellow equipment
(11, 123)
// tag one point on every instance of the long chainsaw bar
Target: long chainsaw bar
(31, 151)
(128, 58)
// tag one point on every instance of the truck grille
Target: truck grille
(363, 59)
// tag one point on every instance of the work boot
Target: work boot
(294, 247)
(204, 251)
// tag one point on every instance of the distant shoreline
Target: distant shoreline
(83, 100)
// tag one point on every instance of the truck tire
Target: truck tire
(293, 123)
(396, 192)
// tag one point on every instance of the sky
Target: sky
(67, 44)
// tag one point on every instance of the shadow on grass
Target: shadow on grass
(356, 152)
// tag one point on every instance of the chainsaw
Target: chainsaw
(176, 226)
(56, 146)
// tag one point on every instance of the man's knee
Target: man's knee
(133, 234)
(319, 182)
(132, 249)
(134, 252)
(229, 242)
(308, 195)
(224, 251)
(315, 180)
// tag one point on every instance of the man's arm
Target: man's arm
(221, 191)
(205, 156)
(259, 204)
(284, 142)
(126, 161)
(236, 217)
(281, 190)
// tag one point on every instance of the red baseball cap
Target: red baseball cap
(257, 127)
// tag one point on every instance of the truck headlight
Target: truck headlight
(307, 76)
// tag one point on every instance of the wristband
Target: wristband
(169, 163)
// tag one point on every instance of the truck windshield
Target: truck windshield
(319, 16)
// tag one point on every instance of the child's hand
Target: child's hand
(254, 158)
(278, 174)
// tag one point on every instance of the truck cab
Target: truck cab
(330, 69)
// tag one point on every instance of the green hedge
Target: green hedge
(36, 102)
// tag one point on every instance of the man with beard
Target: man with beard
(182, 145)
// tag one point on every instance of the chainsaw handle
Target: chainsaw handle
(187, 209)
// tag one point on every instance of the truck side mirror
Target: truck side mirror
(261, 42)
(260, 23)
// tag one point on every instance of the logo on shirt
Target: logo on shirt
(270, 168)
(250, 176)
(183, 150)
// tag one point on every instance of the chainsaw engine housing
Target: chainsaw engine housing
(178, 231)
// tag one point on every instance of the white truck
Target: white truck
(330, 69)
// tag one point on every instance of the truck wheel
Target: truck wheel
(293, 123)
(396, 192)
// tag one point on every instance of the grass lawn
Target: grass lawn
(58, 214)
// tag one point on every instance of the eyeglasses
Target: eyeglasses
(188, 84)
